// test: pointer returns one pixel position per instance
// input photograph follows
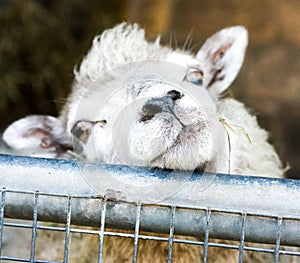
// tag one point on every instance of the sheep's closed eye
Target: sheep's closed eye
(194, 76)
(82, 129)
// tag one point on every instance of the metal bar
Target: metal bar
(186, 206)
(136, 232)
(205, 252)
(34, 225)
(102, 226)
(242, 241)
(2, 217)
(68, 226)
(171, 237)
(277, 248)
(5, 258)
(228, 196)
(15, 259)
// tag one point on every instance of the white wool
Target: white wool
(126, 43)
(115, 47)
(255, 157)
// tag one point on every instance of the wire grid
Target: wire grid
(136, 236)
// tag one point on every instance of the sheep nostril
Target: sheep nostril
(152, 108)
(174, 95)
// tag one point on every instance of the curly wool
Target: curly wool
(115, 47)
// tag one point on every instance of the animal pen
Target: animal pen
(206, 206)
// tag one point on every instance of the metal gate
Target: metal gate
(73, 198)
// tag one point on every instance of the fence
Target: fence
(74, 196)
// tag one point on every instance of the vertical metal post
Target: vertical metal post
(102, 225)
(2, 217)
(34, 225)
(242, 240)
(205, 249)
(171, 237)
(277, 248)
(68, 226)
(136, 232)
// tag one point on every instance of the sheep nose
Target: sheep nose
(158, 105)
(166, 103)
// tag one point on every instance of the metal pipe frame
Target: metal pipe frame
(231, 207)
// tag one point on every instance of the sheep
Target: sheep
(139, 103)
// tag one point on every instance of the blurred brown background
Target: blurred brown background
(42, 41)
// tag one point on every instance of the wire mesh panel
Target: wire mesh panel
(57, 225)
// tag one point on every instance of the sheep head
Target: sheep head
(137, 103)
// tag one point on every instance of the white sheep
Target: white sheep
(138, 103)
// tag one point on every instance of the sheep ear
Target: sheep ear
(38, 135)
(221, 58)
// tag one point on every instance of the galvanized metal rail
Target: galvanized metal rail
(231, 207)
